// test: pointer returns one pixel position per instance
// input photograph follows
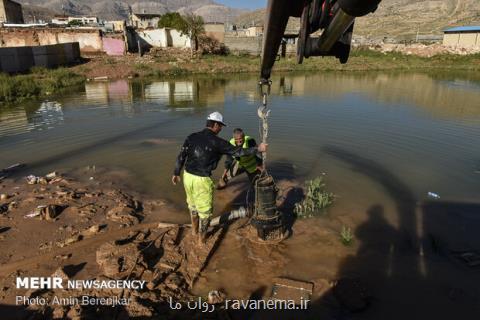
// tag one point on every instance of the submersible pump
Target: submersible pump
(266, 218)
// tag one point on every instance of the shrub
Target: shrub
(40, 82)
(346, 236)
(316, 198)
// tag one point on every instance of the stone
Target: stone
(12, 205)
(117, 260)
(174, 281)
(123, 214)
(59, 273)
(216, 297)
(70, 241)
(92, 230)
(52, 175)
(58, 313)
(52, 211)
(3, 208)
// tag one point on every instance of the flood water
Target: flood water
(383, 141)
(425, 130)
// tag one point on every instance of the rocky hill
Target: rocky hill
(403, 18)
(108, 9)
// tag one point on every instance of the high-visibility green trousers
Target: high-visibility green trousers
(199, 191)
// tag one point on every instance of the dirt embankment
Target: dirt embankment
(82, 228)
(422, 50)
(56, 226)
(175, 62)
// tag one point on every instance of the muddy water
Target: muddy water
(383, 142)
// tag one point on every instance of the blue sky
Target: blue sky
(246, 4)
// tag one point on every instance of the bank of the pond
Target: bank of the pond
(40, 82)
(168, 63)
(165, 63)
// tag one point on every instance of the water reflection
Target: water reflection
(439, 95)
(388, 117)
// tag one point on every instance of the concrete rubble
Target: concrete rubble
(423, 50)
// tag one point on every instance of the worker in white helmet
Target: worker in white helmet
(200, 155)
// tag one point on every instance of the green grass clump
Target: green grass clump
(346, 236)
(316, 198)
(40, 82)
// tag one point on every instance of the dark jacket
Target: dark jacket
(202, 151)
(251, 143)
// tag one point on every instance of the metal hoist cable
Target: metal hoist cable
(263, 113)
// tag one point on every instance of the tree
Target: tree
(172, 20)
(75, 23)
(194, 29)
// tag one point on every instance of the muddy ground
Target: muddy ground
(83, 225)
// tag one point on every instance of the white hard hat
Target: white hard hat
(217, 117)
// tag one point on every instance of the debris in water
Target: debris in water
(470, 258)
(12, 168)
(52, 175)
(433, 195)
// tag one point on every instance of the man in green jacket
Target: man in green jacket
(235, 166)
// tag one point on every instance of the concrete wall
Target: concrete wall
(90, 41)
(154, 38)
(464, 40)
(21, 59)
(251, 45)
(468, 40)
(114, 47)
(178, 40)
(11, 12)
(159, 38)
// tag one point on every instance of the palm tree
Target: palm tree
(194, 29)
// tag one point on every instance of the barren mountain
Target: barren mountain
(108, 9)
(403, 18)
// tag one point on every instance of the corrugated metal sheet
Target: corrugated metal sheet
(463, 29)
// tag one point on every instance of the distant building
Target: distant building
(254, 31)
(145, 20)
(66, 20)
(465, 37)
(115, 25)
(83, 20)
(60, 20)
(215, 31)
(11, 12)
